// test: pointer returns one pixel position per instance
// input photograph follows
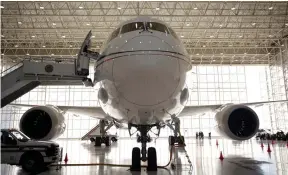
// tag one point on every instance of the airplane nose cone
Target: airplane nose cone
(146, 78)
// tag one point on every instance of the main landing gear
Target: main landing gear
(174, 125)
(144, 155)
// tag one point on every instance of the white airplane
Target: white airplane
(142, 72)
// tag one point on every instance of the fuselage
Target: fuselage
(142, 69)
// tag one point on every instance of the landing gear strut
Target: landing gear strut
(104, 127)
(137, 156)
(175, 126)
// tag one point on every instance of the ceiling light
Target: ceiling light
(63, 36)
(211, 36)
(240, 36)
(197, 54)
(54, 24)
(220, 25)
(88, 24)
(97, 46)
(270, 36)
(2, 36)
(233, 8)
(230, 45)
(2, 53)
(16, 45)
(269, 53)
(42, 8)
(52, 54)
(19, 22)
(195, 8)
(221, 53)
(119, 8)
(214, 60)
(80, 7)
(157, 8)
(270, 8)
(254, 24)
(27, 54)
(256, 45)
(93, 36)
(236, 60)
(70, 46)
(282, 45)
(245, 53)
(2, 7)
(44, 46)
(204, 46)
(33, 36)
(187, 24)
(182, 36)
(126, 41)
(286, 24)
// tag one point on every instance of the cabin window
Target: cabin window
(157, 26)
(114, 34)
(132, 27)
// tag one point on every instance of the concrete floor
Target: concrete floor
(243, 158)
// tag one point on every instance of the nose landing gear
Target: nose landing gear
(137, 156)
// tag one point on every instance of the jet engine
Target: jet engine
(237, 122)
(42, 123)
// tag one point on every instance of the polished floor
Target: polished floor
(243, 158)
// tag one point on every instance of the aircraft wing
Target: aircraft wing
(201, 109)
(95, 112)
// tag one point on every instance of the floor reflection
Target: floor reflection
(239, 158)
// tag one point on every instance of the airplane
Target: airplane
(141, 70)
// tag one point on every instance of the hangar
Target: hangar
(237, 52)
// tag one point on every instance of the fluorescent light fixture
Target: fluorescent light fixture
(2, 36)
(182, 36)
(187, 24)
(52, 54)
(230, 45)
(27, 54)
(195, 8)
(204, 46)
(245, 53)
(197, 54)
(70, 46)
(88, 24)
(44, 46)
(33, 36)
(19, 22)
(221, 53)
(233, 8)
(16, 45)
(253, 23)
(214, 60)
(119, 8)
(157, 8)
(54, 24)
(211, 36)
(269, 53)
(80, 7)
(2, 7)
(282, 45)
(270, 8)
(42, 8)
(240, 36)
(63, 36)
(2, 53)
(93, 36)
(236, 60)
(270, 36)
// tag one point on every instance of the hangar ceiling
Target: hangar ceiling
(213, 32)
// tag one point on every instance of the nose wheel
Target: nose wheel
(144, 155)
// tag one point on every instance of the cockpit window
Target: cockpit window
(132, 27)
(114, 34)
(157, 26)
(173, 33)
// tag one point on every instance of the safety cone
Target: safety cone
(217, 143)
(269, 150)
(262, 145)
(221, 156)
(66, 158)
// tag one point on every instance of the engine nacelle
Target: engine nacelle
(237, 122)
(42, 123)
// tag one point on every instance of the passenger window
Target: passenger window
(132, 27)
(173, 33)
(6, 138)
(114, 34)
(157, 26)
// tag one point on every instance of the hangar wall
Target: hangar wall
(208, 84)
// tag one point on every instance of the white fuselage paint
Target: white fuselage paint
(143, 74)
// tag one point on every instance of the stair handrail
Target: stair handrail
(6, 71)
